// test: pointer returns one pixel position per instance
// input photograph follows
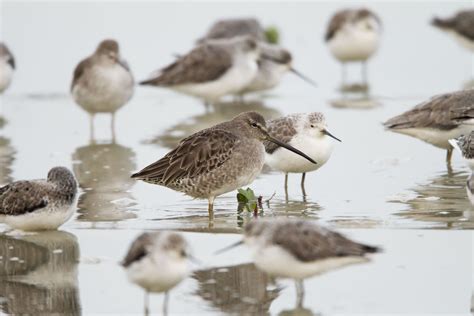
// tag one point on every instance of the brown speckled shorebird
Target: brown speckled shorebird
(215, 160)
(460, 26)
(39, 204)
(299, 249)
(438, 120)
(103, 82)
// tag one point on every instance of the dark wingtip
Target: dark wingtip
(371, 249)
(437, 22)
(146, 82)
(135, 175)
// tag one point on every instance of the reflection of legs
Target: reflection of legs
(147, 311)
(286, 186)
(210, 208)
(299, 293)
(302, 184)
(165, 304)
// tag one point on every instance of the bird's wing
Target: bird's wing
(199, 153)
(336, 22)
(80, 70)
(282, 129)
(138, 249)
(204, 63)
(22, 197)
(445, 111)
(465, 24)
(307, 243)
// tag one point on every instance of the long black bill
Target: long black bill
(290, 148)
(331, 135)
(299, 74)
(236, 244)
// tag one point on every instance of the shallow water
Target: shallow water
(381, 188)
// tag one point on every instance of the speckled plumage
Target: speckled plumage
(210, 160)
(57, 194)
(465, 143)
(462, 23)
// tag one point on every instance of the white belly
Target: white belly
(288, 162)
(6, 75)
(48, 218)
(436, 137)
(158, 273)
(231, 82)
(107, 90)
(279, 263)
(353, 44)
(268, 76)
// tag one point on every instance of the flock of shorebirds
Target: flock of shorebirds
(238, 57)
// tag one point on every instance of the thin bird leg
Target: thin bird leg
(165, 303)
(299, 293)
(302, 184)
(449, 154)
(112, 127)
(364, 73)
(211, 209)
(343, 76)
(91, 129)
(286, 186)
(146, 303)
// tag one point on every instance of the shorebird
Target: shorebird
(465, 145)
(157, 262)
(459, 26)
(211, 70)
(32, 205)
(353, 36)
(215, 160)
(102, 83)
(7, 67)
(306, 131)
(229, 28)
(276, 61)
(299, 249)
(438, 120)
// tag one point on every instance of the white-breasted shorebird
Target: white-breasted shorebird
(157, 262)
(211, 70)
(438, 120)
(460, 27)
(7, 67)
(103, 82)
(353, 35)
(465, 145)
(299, 249)
(32, 205)
(216, 160)
(304, 131)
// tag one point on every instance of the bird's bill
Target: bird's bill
(326, 132)
(289, 147)
(236, 244)
(303, 77)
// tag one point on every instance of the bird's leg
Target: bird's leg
(364, 73)
(299, 293)
(112, 127)
(146, 301)
(91, 128)
(165, 303)
(211, 209)
(343, 76)
(449, 154)
(286, 186)
(302, 184)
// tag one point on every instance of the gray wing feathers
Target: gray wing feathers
(22, 197)
(282, 129)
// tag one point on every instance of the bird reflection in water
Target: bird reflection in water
(240, 289)
(7, 156)
(441, 200)
(355, 96)
(103, 172)
(38, 274)
(223, 111)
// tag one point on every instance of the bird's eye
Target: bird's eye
(253, 124)
(312, 126)
(183, 253)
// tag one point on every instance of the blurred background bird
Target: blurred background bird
(460, 27)
(7, 67)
